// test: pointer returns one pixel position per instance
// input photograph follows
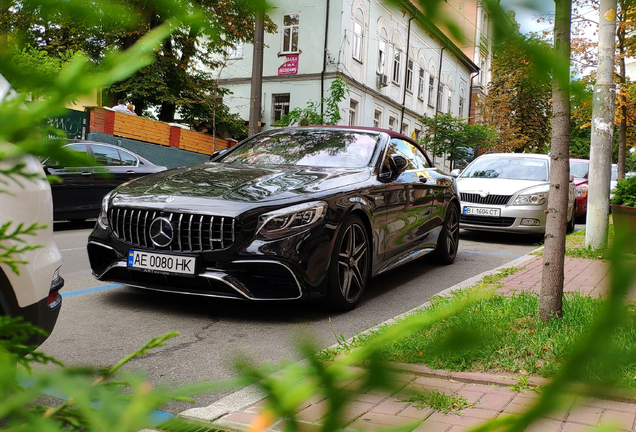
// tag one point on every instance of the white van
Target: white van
(32, 292)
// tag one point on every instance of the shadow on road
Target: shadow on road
(73, 225)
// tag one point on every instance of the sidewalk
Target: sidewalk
(491, 394)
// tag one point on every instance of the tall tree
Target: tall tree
(551, 294)
(181, 73)
(517, 104)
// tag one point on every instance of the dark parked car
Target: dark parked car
(80, 194)
(293, 213)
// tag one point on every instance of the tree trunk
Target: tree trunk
(551, 295)
(622, 127)
(601, 141)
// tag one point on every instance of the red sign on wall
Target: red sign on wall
(290, 66)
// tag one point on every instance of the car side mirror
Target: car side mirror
(398, 164)
(455, 172)
(217, 153)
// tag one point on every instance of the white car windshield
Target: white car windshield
(510, 168)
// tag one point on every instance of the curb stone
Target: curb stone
(251, 394)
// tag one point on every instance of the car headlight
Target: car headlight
(102, 220)
(581, 192)
(535, 196)
(290, 220)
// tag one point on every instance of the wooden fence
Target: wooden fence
(141, 129)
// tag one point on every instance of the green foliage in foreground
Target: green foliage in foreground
(87, 399)
(505, 334)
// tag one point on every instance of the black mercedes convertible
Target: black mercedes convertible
(292, 213)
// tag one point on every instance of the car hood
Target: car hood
(238, 182)
(578, 181)
(495, 186)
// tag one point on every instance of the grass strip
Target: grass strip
(439, 401)
(504, 334)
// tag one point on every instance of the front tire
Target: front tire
(350, 263)
(448, 241)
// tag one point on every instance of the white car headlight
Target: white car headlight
(534, 196)
(290, 220)
(102, 220)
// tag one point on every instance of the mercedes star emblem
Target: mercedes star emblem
(161, 232)
(483, 193)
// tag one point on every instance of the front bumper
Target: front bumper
(291, 268)
(581, 206)
(509, 220)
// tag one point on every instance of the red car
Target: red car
(579, 169)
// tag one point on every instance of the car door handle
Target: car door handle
(86, 173)
(131, 172)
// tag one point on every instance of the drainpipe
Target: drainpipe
(406, 71)
(324, 64)
(471, 120)
(439, 79)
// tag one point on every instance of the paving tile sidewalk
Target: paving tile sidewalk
(490, 394)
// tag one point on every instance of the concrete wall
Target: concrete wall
(170, 157)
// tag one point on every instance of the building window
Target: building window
(381, 56)
(417, 134)
(461, 103)
(450, 102)
(440, 97)
(353, 112)
(409, 75)
(420, 85)
(405, 129)
(431, 89)
(357, 41)
(483, 72)
(392, 123)
(291, 28)
(281, 105)
(235, 52)
(396, 66)
(377, 119)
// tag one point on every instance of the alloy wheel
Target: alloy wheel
(452, 232)
(352, 262)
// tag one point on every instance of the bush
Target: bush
(625, 192)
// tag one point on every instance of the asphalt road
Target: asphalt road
(99, 324)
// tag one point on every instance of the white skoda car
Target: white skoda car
(508, 192)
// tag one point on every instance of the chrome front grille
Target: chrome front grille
(191, 232)
(489, 200)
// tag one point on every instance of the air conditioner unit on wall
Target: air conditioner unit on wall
(382, 80)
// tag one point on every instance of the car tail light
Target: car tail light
(54, 298)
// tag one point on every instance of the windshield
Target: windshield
(511, 168)
(614, 172)
(579, 169)
(306, 147)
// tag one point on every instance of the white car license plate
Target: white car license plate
(161, 263)
(481, 211)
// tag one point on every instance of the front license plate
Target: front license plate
(480, 211)
(161, 263)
